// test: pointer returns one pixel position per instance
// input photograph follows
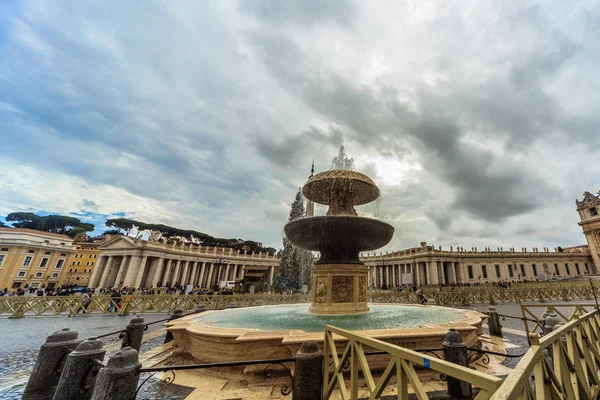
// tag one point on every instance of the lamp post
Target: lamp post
(384, 263)
(218, 262)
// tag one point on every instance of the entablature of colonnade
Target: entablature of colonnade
(430, 254)
(127, 246)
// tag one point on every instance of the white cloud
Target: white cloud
(476, 120)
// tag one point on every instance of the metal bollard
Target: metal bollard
(494, 322)
(134, 333)
(119, 379)
(455, 351)
(178, 313)
(550, 322)
(51, 359)
(308, 372)
(78, 378)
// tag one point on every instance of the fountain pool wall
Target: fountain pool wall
(266, 332)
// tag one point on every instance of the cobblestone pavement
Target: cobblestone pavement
(20, 341)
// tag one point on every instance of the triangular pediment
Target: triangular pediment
(119, 242)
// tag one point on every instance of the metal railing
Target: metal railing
(563, 364)
(18, 306)
(401, 365)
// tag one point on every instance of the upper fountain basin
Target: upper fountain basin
(339, 238)
(328, 186)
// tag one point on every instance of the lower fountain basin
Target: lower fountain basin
(339, 238)
(269, 332)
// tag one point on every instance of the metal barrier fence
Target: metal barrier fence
(19, 306)
(401, 365)
(562, 364)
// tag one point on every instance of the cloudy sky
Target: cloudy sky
(480, 123)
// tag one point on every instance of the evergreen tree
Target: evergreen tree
(296, 264)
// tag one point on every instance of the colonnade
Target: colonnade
(141, 271)
(421, 273)
(415, 273)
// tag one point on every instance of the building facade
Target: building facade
(134, 263)
(82, 263)
(30, 258)
(589, 213)
(426, 265)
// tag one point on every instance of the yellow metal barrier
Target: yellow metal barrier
(537, 312)
(401, 365)
(20, 306)
(564, 364)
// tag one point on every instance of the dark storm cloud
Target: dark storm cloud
(486, 185)
(294, 150)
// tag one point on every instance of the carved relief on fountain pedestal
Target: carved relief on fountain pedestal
(362, 289)
(342, 289)
(321, 290)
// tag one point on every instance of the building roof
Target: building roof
(35, 232)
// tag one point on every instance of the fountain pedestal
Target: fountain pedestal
(339, 289)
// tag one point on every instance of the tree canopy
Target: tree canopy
(125, 225)
(49, 223)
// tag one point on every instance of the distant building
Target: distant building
(129, 262)
(30, 258)
(426, 265)
(81, 264)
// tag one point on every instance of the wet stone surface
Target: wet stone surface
(21, 340)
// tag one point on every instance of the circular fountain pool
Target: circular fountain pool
(269, 332)
(296, 317)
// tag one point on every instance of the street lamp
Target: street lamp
(220, 261)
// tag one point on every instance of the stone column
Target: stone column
(165, 276)
(106, 270)
(176, 273)
(201, 278)
(434, 273)
(210, 275)
(132, 271)
(452, 273)
(460, 278)
(194, 274)
(122, 270)
(97, 274)
(242, 273)
(226, 273)
(156, 272)
(417, 273)
(140, 274)
(271, 270)
(370, 277)
(185, 268)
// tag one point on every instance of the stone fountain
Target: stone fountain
(339, 277)
(339, 295)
